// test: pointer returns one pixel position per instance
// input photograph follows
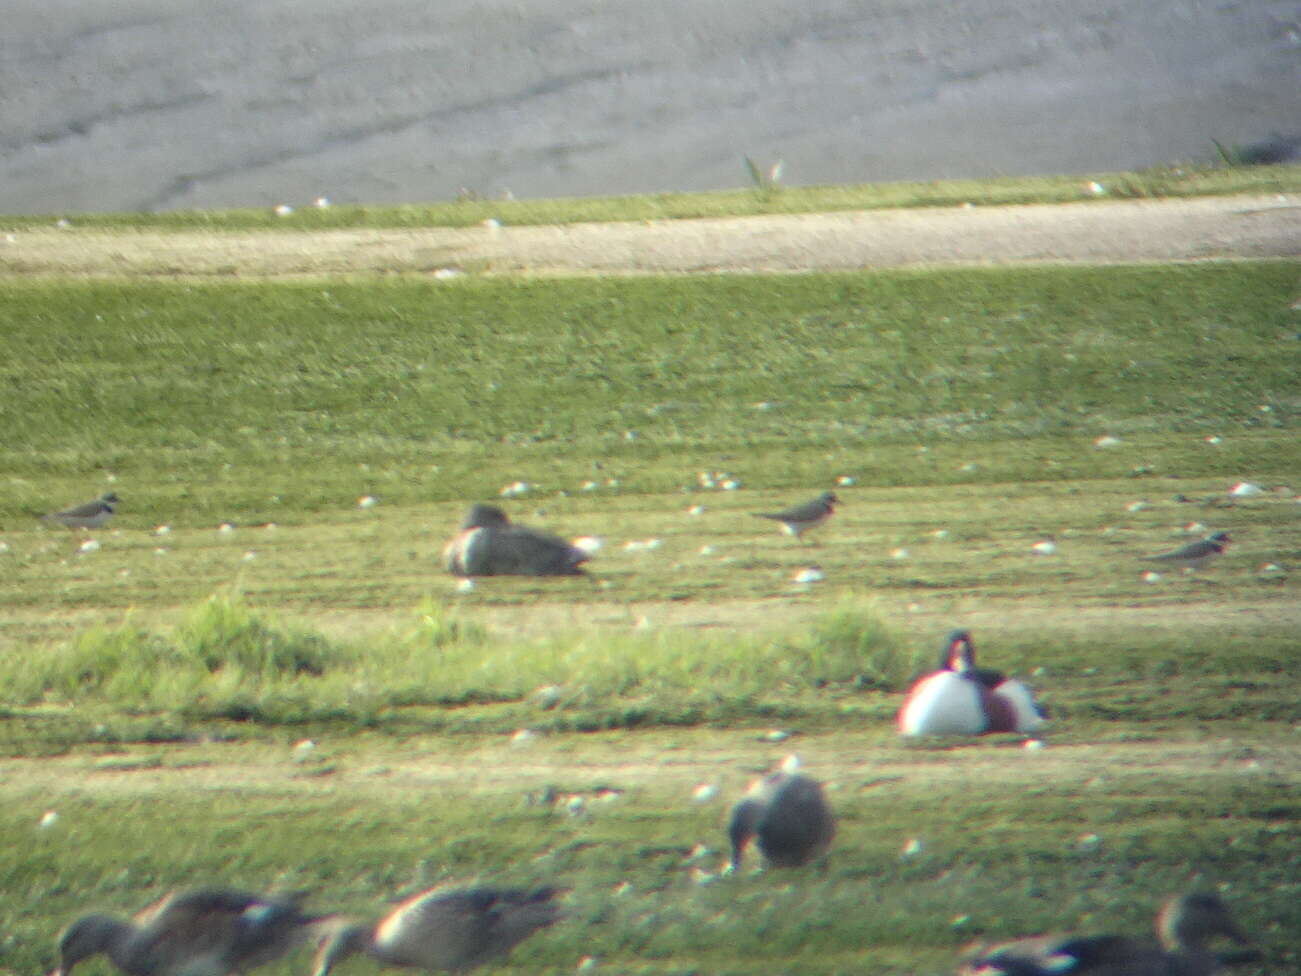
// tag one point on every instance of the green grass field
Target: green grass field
(152, 690)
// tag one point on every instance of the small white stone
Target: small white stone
(731, 484)
(1151, 576)
(707, 550)
(226, 528)
(367, 501)
(1088, 842)
(162, 529)
(776, 735)
(791, 764)
(845, 481)
(523, 737)
(696, 510)
(303, 749)
(811, 574)
(1106, 440)
(250, 556)
(321, 203)
(90, 545)
(283, 210)
(1246, 489)
(465, 586)
(704, 792)
(588, 963)
(1033, 745)
(590, 486)
(1214, 439)
(899, 553)
(590, 544)
(48, 820)
(940, 534)
(1096, 188)
(912, 848)
(1045, 548)
(1136, 506)
(969, 467)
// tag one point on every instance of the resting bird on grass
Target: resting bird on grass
(1185, 926)
(490, 544)
(1195, 555)
(204, 932)
(91, 515)
(962, 699)
(789, 815)
(445, 929)
(800, 519)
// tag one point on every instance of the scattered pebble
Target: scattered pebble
(49, 819)
(704, 792)
(696, 510)
(1271, 571)
(283, 210)
(940, 534)
(589, 486)
(899, 553)
(588, 963)
(791, 764)
(1137, 507)
(707, 550)
(367, 501)
(642, 545)
(226, 528)
(1151, 576)
(776, 735)
(590, 544)
(730, 484)
(1106, 440)
(303, 750)
(1045, 548)
(465, 586)
(1088, 842)
(1033, 745)
(1096, 188)
(845, 481)
(515, 489)
(162, 529)
(969, 467)
(1214, 439)
(912, 848)
(810, 574)
(90, 545)
(250, 556)
(523, 737)
(548, 696)
(1195, 528)
(321, 203)
(1246, 489)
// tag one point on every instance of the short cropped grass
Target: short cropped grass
(1165, 181)
(256, 403)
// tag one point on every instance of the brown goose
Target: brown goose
(490, 544)
(445, 929)
(789, 815)
(204, 932)
(1185, 926)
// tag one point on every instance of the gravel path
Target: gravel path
(1095, 232)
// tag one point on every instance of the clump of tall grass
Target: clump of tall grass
(229, 661)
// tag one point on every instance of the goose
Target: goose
(490, 544)
(202, 932)
(799, 519)
(789, 815)
(962, 699)
(1185, 925)
(451, 929)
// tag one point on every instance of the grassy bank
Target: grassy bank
(760, 199)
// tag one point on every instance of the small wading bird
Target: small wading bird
(204, 932)
(91, 515)
(445, 929)
(800, 519)
(1185, 927)
(1195, 555)
(490, 544)
(789, 816)
(962, 699)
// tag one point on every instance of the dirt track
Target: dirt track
(1095, 232)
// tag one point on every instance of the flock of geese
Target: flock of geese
(223, 932)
